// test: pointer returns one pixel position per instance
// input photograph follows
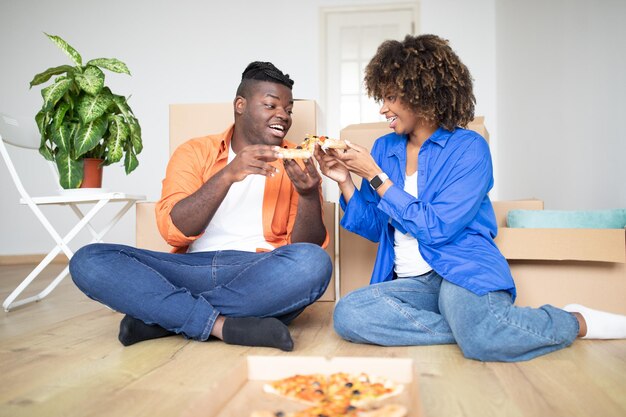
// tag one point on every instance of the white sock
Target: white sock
(600, 324)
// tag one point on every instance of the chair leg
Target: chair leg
(9, 303)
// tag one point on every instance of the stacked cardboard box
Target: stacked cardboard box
(562, 266)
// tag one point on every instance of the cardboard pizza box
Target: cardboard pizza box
(241, 391)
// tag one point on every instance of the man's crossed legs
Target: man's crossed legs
(243, 298)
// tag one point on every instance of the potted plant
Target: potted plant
(81, 118)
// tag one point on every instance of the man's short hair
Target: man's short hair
(262, 71)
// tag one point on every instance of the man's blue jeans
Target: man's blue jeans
(184, 293)
(428, 310)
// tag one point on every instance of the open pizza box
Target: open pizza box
(241, 392)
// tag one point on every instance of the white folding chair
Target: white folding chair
(25, 135)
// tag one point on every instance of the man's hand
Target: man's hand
(305, 180)
(252, 159)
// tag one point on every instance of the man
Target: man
(247, 230)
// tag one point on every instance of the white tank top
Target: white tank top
(238, 222)
(408, 259)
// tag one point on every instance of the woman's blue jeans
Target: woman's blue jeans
(184, 293)
(427, 310)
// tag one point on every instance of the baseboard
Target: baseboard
(29, 259)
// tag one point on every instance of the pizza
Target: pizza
(306, 149)
(334, 410)
(325, 142)
(308, 389)
(336, 395)
(360, 389)
(295, 153)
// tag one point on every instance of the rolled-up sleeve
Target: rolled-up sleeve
(184, 176)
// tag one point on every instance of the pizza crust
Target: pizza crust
(334, 144)
(294, 153)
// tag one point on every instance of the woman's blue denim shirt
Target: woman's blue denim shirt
(452, 218)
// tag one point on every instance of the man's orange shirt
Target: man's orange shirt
(197, 160)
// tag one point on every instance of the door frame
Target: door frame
(323, 17)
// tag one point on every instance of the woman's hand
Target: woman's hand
(330, 166)
(358, 160)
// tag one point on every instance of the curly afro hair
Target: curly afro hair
(427, 76)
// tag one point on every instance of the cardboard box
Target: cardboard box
(563, 266)
(241, 392)
(356, 254)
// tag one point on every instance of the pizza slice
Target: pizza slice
(360, 389)
(324, 141)
(334, 410)
(307, 389)
(330, 143)
(294, 153)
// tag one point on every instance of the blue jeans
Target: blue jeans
(427, 310)
(184, 293)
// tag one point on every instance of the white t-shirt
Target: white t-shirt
(238, 222)
(408, 259)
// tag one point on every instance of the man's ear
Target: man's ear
(239, 104)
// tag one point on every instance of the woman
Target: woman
(438, 276)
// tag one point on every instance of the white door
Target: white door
(352, 37)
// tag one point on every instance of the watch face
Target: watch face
(376, 182)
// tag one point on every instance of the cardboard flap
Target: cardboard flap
(601, 245)
(502, 208)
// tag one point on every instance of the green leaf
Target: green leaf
(46, 152)
(122, 105)
(62, 137)
(41, 119)
(88, 136)
(91, 81)
(115, 143)
(54, 92)
(130, 161)
(59, 114)
(45, 76)
(111, 64)
(65, 47)
(92, 107)
(70, 171)
(135, 135)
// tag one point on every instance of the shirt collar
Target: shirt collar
(440, 137)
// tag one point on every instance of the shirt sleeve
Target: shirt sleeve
(464, 185)
(361, 214)
(184, 176)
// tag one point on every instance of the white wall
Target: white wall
(561, 93)
(553, 119)
(178, 52)
(470, 28)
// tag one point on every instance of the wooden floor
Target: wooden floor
(61, 357)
